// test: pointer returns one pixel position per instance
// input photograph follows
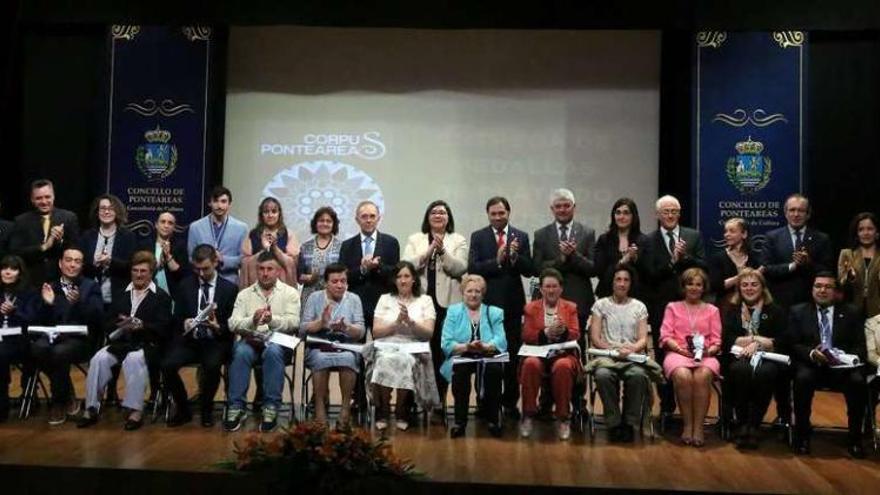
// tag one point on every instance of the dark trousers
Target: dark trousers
(782, 393)
(211, 355)
(489, 376)
(807, 378)
(12, 350)
(513, 332)
(55, 359)
(437, 353)
(751, 390)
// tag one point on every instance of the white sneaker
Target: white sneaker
(563, 430)
(525, 427)
(381, 425)
(402, 425)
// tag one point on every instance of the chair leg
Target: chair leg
(28, 396)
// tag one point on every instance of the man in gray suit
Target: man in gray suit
(567, 246)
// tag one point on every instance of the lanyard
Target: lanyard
(218, 237)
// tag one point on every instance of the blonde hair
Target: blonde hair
(692, 273)
(473, 278)
(745, 273)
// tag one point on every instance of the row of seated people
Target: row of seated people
(141, 333)
(502, 254)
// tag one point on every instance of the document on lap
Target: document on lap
(284, 340)
(543, 351)
(498, 358)
(356, 348)
(9, 332)
(405, 347)
(54, 332)
(769, 356)
(636, 358)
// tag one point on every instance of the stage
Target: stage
(38, 458)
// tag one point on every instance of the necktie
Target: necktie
(501, 241)
(671, 242)
(798, 239)
(825, 328)
(563, 233)
(368, 245)
(46, 223)
(201, 331)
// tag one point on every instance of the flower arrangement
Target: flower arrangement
(310, 451)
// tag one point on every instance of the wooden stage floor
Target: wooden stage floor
(478, 458)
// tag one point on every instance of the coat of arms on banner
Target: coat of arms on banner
(156, 158)
(749, 171)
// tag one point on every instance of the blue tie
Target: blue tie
(368, 246)
(825, 328)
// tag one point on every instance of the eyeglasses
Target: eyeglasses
(824, 286)
(106, 208)
(441, 213)
(670, 212)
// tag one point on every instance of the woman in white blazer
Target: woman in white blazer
(440, 256)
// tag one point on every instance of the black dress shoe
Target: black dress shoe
(86, 421)
(802, 447)
(179, 419)
(626, 434)
(856, 451)
(512, 413)
(133, 424)
(495, 430)
(457, 430)
(208, 420)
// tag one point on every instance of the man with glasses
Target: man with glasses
(820, 331)
(672, 249)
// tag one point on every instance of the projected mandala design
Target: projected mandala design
(305, 187)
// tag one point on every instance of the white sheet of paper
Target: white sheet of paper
(528, 350)
(9, 332)
(405, 347)
(61, 329)
(500, 358)
(284, 340)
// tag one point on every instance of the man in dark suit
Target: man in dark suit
(70, 300)
(500, 254)
(793, 254)
(672, 249)
(370, 257)
(39, 234)
(567, 246)
(815, 329)
(791, 257)
(205, 342)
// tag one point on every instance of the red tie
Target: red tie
(501, 240)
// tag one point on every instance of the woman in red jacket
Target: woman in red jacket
(549, 320)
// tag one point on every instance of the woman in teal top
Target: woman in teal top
(472, 329)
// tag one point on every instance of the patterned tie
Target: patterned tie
(368, 245)
(201, 331)
(825, 328)
(46, 224)
(671, 242)
(798, 239)
(563, 233)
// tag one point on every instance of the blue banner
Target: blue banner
(156, 142)
(748, 128)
